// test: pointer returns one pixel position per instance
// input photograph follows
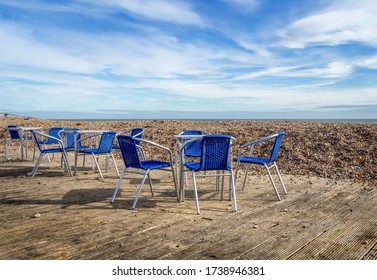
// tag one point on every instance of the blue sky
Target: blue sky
(189, 59)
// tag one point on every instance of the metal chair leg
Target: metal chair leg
(244, 181)
(97, 165)
(196, 193)
(115, 164)
(280, 179)
(234, 192)
(36, 165)
(175, 182)
(118, 184)
(150, 184)
(139, 191)
(66, 163)
(272, 181)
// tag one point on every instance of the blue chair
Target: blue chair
(17, 135)
(104, 148)
(129, 149)
(55, 133)
(215, 154)
(267, 162)
(45, 151)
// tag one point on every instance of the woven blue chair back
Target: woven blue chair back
(14, 133)
(37, 140)
(276, 147)
(193, 149)
(106, 142)
(54, 132)
(136, 131)
(215, 152)
(129, 151)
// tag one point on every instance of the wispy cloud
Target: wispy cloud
(341, 23)
(163, 10)
(336, 69)
(369, 62)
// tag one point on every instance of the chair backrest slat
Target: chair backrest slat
(129, 151)
(14, 132)
(106, 143)
(54, 132)
(215, 152)
(276, 147)
(36, 140)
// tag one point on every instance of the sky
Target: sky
(189, 59)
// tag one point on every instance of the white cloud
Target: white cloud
(338, 24)
(337, 69)
(370, 62)
(161, 10)
(144, 55)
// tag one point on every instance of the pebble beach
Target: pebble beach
(323, 149)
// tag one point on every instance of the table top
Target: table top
(92, 131)
(30, 128)
(83, 131)
(184, 136)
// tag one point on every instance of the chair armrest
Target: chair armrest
(49, 136)
(128, 131)
(138, 134)
(156, 145)
(256, 142)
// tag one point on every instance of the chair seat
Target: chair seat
(255, 160)
(53, 150)
(116, 147)
(80, 147)
(154, 164)
(193, 165)
(88, 151)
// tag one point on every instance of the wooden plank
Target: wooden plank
(78, 222)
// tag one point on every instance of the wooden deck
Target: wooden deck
(318, 219)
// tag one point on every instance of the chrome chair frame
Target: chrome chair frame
(268, 163)
(184, 165)
(46, 151)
